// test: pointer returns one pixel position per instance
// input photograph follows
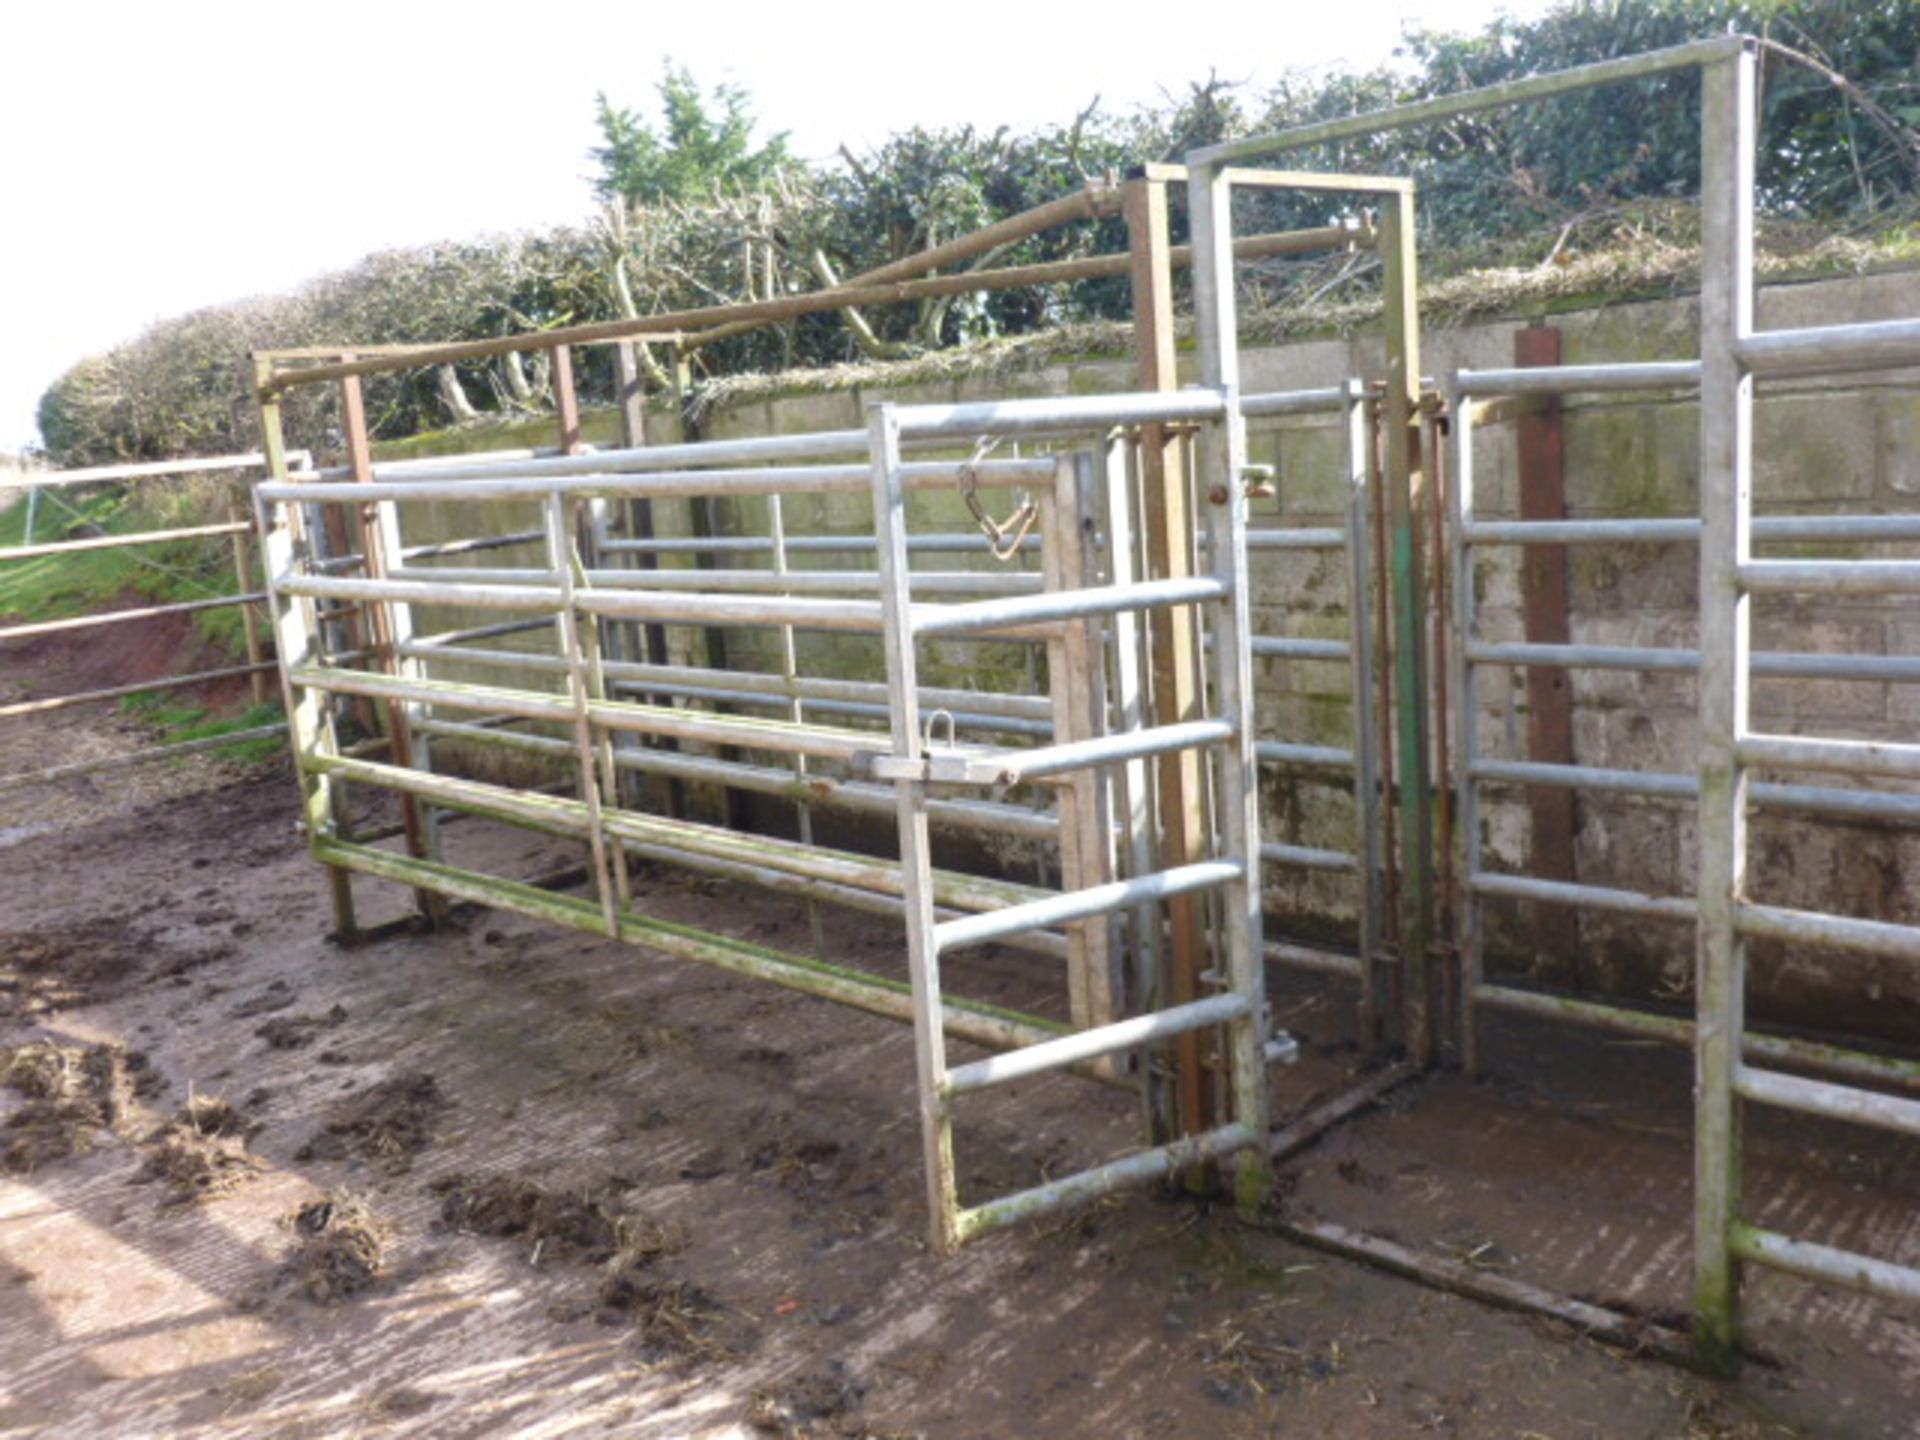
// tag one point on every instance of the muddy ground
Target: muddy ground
(505, 1180)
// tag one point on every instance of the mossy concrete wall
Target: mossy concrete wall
(1823, 447)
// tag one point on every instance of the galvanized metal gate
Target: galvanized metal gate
(1089, 608)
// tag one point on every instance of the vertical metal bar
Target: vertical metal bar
(1543, 586)
(560, 558)
(1221, 472)
(796, 709)
(1432, 448)
(1466, 739)
(652, 634)
(1083, 848)
(237, 510)
(566, 400)
(593, 674)
(1726, 479)
(288, 548)
(389, 622)
(910, 798)
(1384, 709)
(1406, 494)
(579, 538)
(1368, 796)
(1173, 652)
(1133, 789)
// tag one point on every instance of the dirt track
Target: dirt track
(766, 1144)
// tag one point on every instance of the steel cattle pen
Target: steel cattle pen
(1124, 571)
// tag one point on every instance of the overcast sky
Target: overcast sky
(169, 154)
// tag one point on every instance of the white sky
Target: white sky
(163, 155)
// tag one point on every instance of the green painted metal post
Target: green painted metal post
(1406, 493)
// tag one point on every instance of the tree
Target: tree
(704, 150)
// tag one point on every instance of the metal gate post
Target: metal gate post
(296, 632)
(1368, 795)
(1406, 495)
(1223, 492)
(910, 796)
(1726, 480)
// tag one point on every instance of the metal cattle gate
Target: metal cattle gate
(237, 530)
(945, 911)
(1732, 357)
(1124, 567)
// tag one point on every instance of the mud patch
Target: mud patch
(72, 1095)
(200, 1153)
(387, 1126)
(672, 1318)
(592, 1223)
(339, 1248)
(295, 1032)
(811, 1407)
(69, 966)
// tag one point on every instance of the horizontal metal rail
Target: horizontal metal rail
(1655, 784)
(1075, 905)
(1280, 752)
(1678, 1031)
(1822, 1262)
(1842, 932)
(1011, 767)
(799, 544)
(121, 542)
(596, 478)
(1308, 857)
(1884, 758)
(1088, 412)
(1565, 379)
(1685, 530)
(1104, 1040)
(748, 732)
(1300, 538)
(121, 617)
(1833, 1102)
(1832, 349)
(156, 469)
(966, 1020)
(1313, 958)
(1165, 1160)
(754, 582)
(1065, 605)
(159, 682)
(440, 549)
(1292, 402)
(1581, 532)
(803, 887)
(1468, 102)
(1278, 647)
(986, 816)
(757, 854)
(1586, 897)
(175, 751)
(703, 680)
(1830, 577)
(860, 709)
(1896, 669)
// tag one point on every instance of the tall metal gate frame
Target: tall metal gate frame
(1091, 601)
(1732, 356)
